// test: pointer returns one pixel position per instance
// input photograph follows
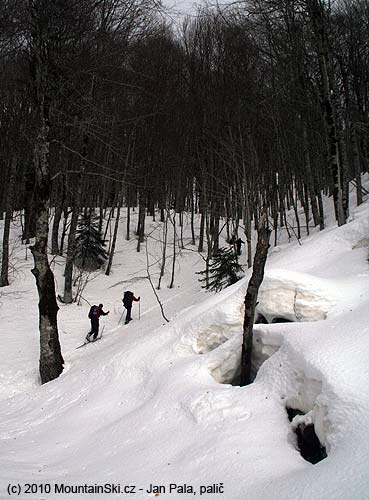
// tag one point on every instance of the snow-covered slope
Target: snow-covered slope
(151, 403)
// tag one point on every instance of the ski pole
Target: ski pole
(121, 316)
(120, 319)
(139, 309)
(102, 331)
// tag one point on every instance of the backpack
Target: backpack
(93, 312)
(127, 299)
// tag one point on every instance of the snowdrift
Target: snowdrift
(152, 405)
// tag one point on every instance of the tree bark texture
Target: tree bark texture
(128, 223)
(4, 278)
(51, 360)
(68, 272)
(115, 235)
(356, 162)
(250, 302)
(165, 240)
(29, 207)
(57, 218)
(174, 251)
(193, 239)
(141, 224)
(201, 235)
(319, 19)
(64, 231)
(248, 233)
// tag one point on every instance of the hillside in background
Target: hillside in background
(153, 403)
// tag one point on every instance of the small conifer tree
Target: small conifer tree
(90, 253)
(223, 270)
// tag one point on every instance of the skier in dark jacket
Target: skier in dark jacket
(94, 315)
(239, 242)
(127, 300)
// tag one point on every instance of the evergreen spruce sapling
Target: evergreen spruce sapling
(223, 271)
(90, 253)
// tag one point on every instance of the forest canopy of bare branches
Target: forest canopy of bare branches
(261, 103)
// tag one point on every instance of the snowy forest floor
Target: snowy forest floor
(152, 402)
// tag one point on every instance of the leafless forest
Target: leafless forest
(261, 105)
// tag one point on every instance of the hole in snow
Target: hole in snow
(224, 355)
(308, 442)
(261, 320)
(292, 413)
(281, 320)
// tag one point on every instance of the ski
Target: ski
(92, 341)
(89, 342)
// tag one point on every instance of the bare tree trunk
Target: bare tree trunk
(321, 210)
(251, 299)
(162, 268)
(247, 223)
(128, 222)
(174, 251)
(152, 286)
(112, 250)
(57, 217)
(68, 273)
(64, 231)
(309, 177)
(356, 162)
(4, 278)
(51, 360)
(101, 217)
(107, 227)
(320, 19)
(141, 224)
(193, 240)
(228, 233)
(162, 215)
(275, 214)
(55, 230)
(286, 225)
(306, 208)
(29, 207)
(201, 235)
(300, 195)
(209, 245)
(215, 232)
(345, 176)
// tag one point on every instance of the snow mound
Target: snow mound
(212, 406)
(295, 296)
(218, 329)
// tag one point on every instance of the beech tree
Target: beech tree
(40, 55)
(256, 280)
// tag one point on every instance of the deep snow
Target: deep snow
(151, 403)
